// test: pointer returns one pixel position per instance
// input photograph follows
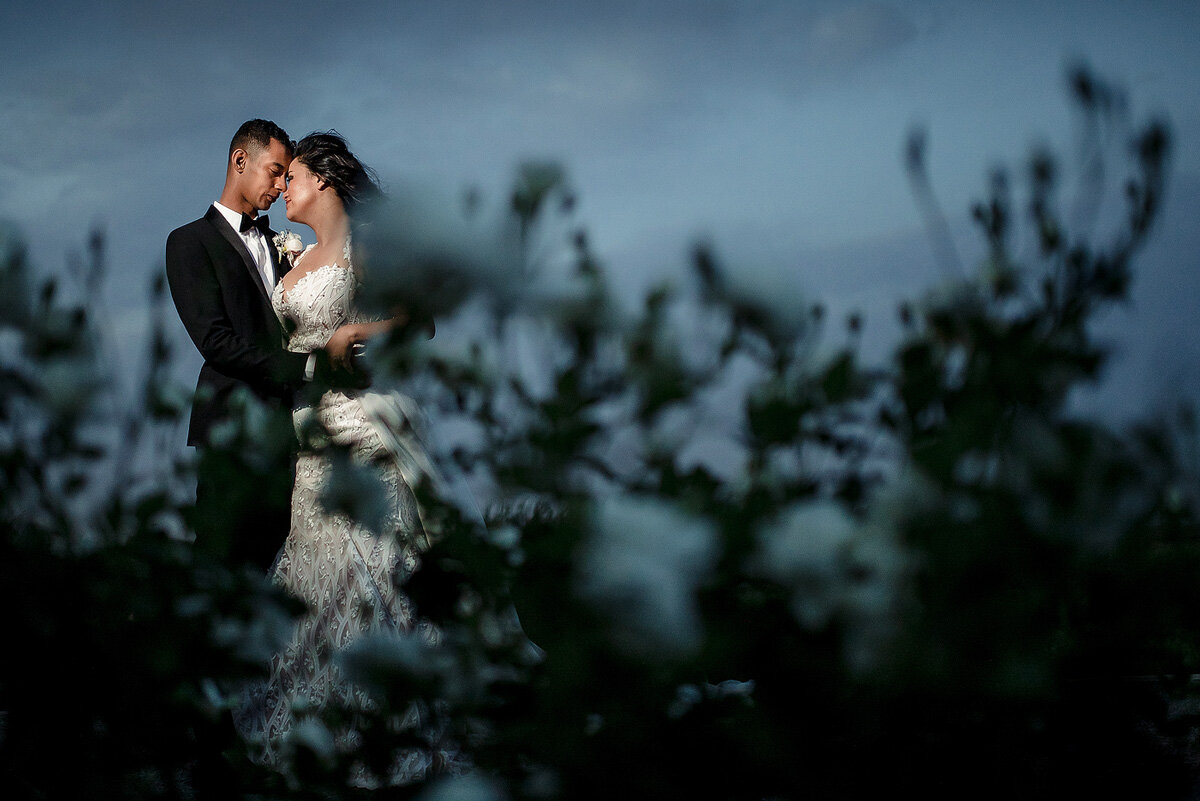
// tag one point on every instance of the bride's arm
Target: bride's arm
(340, 346)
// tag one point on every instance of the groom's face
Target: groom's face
(262, 176)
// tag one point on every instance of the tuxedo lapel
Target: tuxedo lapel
(235, 241)
(275, 261)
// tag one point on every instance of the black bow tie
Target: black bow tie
(260, 222)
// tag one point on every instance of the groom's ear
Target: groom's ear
(239, 159)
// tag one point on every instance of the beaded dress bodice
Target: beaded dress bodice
(319, 303)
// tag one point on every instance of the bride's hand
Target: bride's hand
(340, 346)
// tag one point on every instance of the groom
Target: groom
(221, 270)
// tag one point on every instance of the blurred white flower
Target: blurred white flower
(906, 495)
(382, 659)
(689, 695)
(872, 601)
(805, 547)
(311, 735)
(356, 491)
(505, 537)
(782, 467)
(641, 565)
(376, 655)
(808, 537)
(690, 333)
(672, 428)
(265, 634)
(250, 413)
(730, 688)
(686, 697)
(839, 567)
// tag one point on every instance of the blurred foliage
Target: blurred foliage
(722, 558)
(125, 649)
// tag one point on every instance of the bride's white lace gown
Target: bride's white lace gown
(345, 573)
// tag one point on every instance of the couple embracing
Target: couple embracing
(281, 322)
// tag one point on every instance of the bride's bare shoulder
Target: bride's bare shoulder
(307, 249)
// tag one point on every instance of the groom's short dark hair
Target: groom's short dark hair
(259, 133)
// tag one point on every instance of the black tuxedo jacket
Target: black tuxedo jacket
(227, 312)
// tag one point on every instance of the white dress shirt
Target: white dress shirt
(255, 242)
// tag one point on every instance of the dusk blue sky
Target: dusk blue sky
(772, 129)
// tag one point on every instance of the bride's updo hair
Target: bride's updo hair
(326, 154)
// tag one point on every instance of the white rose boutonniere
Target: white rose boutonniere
(289, 244)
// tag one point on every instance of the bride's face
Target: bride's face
(303, 187)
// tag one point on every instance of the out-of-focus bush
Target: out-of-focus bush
(124, 651)
(753, 567)
(720, 557)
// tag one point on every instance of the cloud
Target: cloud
(769, 122)
(847, 36)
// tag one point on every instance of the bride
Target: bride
(347, 574)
